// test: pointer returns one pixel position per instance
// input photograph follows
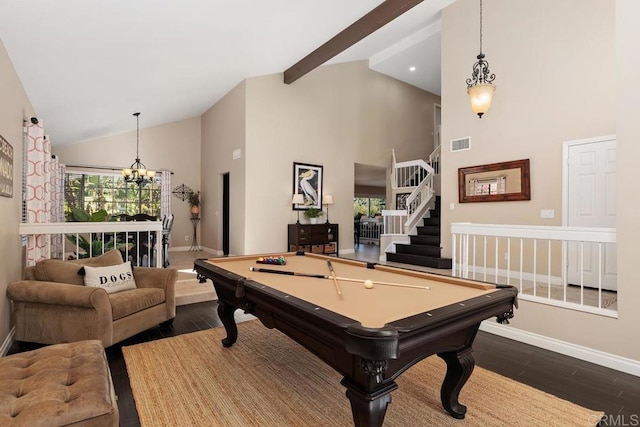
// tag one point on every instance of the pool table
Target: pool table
(369, 332)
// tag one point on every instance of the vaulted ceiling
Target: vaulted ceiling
(87, 65)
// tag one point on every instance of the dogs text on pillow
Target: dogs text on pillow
(114, 278)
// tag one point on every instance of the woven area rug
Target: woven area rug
(266, 379)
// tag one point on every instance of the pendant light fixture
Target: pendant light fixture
(138, 172)
(479, 87)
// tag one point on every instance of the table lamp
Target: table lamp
(327, 200)
(298, 199)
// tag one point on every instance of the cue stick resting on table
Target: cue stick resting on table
(333, 276)
(346, 279)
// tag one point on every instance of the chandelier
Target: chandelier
(138, 172)
(479, 87)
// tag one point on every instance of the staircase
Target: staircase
(424, 248)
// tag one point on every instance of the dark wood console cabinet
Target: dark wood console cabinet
(314, 238)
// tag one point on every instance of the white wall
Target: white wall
(14, 108)
(555, 64)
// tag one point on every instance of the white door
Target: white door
(592, 203)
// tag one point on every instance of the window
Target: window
(368, 206)
(92, 192)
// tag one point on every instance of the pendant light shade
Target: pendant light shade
(481, 96)
(480, 87)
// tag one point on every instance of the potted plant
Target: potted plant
(96, 244)
(312, 214)
(194, 202)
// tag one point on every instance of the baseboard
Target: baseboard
(188, 248)
(8, 342)
(179, 248)
(347, 251)
(597, 357)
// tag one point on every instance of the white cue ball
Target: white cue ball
(368, 284)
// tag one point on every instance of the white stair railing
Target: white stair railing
(417, 176)
(434, 160)
(418, 201)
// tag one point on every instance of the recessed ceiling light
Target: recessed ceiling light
(412, 68)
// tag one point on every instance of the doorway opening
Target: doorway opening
(225, 214)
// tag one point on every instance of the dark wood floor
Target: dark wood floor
(583, 383)
(588, 385)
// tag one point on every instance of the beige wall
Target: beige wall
(223, 132)
(556, 81)
(14, 108)
(174, 146)
(628, 153)
(335, 116)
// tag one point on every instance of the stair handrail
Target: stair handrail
(403, 176)
(434, 159)
(418, 201)
(392, 178)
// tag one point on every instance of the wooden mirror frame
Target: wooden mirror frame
(523, 194)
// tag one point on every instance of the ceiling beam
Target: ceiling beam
(377, 18)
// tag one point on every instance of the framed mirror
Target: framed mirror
(495, 182)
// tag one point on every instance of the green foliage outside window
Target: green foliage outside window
(368, 206)
(111, 193)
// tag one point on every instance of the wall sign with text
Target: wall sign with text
(6, 168)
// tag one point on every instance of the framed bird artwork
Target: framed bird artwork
(307, 180)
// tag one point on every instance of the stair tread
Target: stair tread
(423, 260)
(417, 249)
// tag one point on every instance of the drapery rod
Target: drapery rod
(106, 168)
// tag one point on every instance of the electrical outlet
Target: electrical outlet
(186, 238)
(547, 213)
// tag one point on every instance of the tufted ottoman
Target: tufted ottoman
(59, 385)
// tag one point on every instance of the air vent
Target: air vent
(461, 144)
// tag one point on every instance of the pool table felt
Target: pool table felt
(371, 307)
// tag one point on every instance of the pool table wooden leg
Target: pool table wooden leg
(460, 365)
(368, 409)
(225, 313)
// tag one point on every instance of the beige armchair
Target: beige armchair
(53, 306)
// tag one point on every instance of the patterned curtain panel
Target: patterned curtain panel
(38, 188)
(165, 194)
(57, 205)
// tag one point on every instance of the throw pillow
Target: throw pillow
(114, 278)
(55, 270)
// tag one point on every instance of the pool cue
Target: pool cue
(333, 276)
(346, 279)
(403, 285)
(289, 273)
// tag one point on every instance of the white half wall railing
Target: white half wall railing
(570, 267)
(139, 241)
(393, 221)
(393, 231)
(370, 230)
